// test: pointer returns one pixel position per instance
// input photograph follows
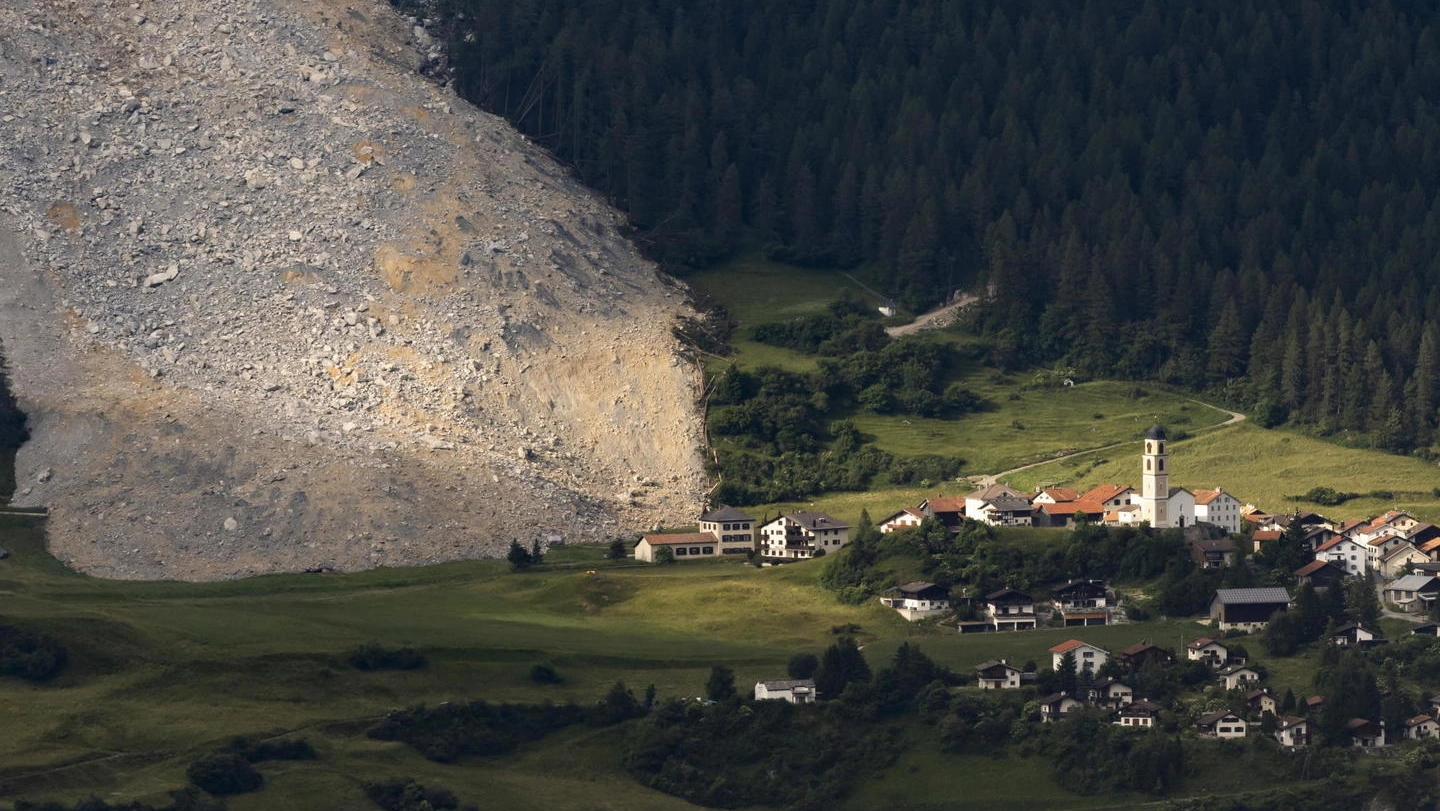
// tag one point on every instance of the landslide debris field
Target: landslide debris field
(274, 301)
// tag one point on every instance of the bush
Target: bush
(224, 773)
(404, 794)
(545, 674)
(293, 749)
(29, 656)
(374, 656)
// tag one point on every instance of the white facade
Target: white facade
(1087, 656)
(795, 691)
(1345, 553)
(1219, 508)
(1160, 504)
(799, 536)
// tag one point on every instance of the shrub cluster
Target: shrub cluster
(374, 656)
(404, 794)
(30, 656)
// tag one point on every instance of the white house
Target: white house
(1219, 508)
(902, 519)
(1222, 724)
(1347, 553)
(1057, 706)
(1087, 656)
(917, 600)
(795, 691)
(800, 535)
(1399, 560)
(1140, 713)
(1236, 677)
(1010, 610)
(981, 504)
(1366, 733)
(735, 529)
(1421, 726)
(684, 546)
(1413, 592)
(1215, 654)
(1292, 731)
(997, 675)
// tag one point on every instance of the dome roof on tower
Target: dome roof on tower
(1155, 432)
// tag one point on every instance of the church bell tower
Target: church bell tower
(1154, 478)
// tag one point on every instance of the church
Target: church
(1160, 504)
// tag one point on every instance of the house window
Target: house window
(680, 550)
(709, 550)
(694, 550)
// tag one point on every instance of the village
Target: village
(1395, 552)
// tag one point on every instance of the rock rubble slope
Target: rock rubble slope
(275, 302)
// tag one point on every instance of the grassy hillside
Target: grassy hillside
(163, 672)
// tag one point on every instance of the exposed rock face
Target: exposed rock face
(274, 302)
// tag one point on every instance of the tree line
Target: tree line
(1240, 196)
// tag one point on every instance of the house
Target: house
(1316, 537)
(1160, 504)
(1141, 654)
(997, 675)
(1110, 496)
(1347, 553)
(1378, 546)
(1247, 609)
(1313, 705)
(1055, 495)
(1355, 635)
(904, 519)
(1413, 592)
(1365, 733)
(1292, 731)
(1219, 508)
(996, 502)
(1399, 560)
(802, 535)
(1421, 726)
(795, 691)
(1010, 610)
(1260, 537)
(1222, 724)
(1004, 511)
(1237, 677)
(1320, 574)
(734, 529)
(917, 600)
(1212, 553)
(1215, 654)
(1140, 713)
(683, 545)
(1422, 534)
(1262, 701)
(1428, 629)
(1056, 706)
(1399, 519)
(1082, 602)
(1110, 693)
(1067, 514)
(948, 510)
(1087, 657)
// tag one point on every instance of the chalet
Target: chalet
(1313, 705)
(1292, 731)
(1399, 560)
(1399, 519)
(904, 519)
(1141, 654)
(1212, 553)
(1110, 496)
(1422, 534)
(1005, 511)
(802, 535)
(1247, 609)
(1420, 727)
(1056, 706)
(1110, 693)
(1365, 733)
(1088, 658)
(1237, 677)
(731, 526)
(1082, 602)
(1219, 508)
(997, 675)
(1347, 553)
(1010, 610)
(1355, 635)
(1379, 546)
(948, 510)
(917, 600)
(795, 691)
(1320, 574)
(1207, 650)
(1316, 537)
(1262, 701)
(995, 503)
(1413, 592)
(1140, 713)
(1307, 520)
(683, 545)
(1222, 724)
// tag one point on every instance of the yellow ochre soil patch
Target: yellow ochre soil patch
(64, 215)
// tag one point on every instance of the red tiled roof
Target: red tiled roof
(1103, 492)
(1266, 535)
(1207, 496)
(1067, 645)
(946, 504)
(1062, 493)
(1311, 568)
(1072, 507)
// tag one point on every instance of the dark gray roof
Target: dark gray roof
(817, 520)
(1267, 594)
(1009, 504)
(1215, 544)
(984, 666)
(725, 513)
(788, 684)
(1155, 432)
(1412, 582)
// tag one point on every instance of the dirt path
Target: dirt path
(1235, 418)
(935, 319)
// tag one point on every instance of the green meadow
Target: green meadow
(161, 673)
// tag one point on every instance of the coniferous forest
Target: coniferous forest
(1236, 197)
